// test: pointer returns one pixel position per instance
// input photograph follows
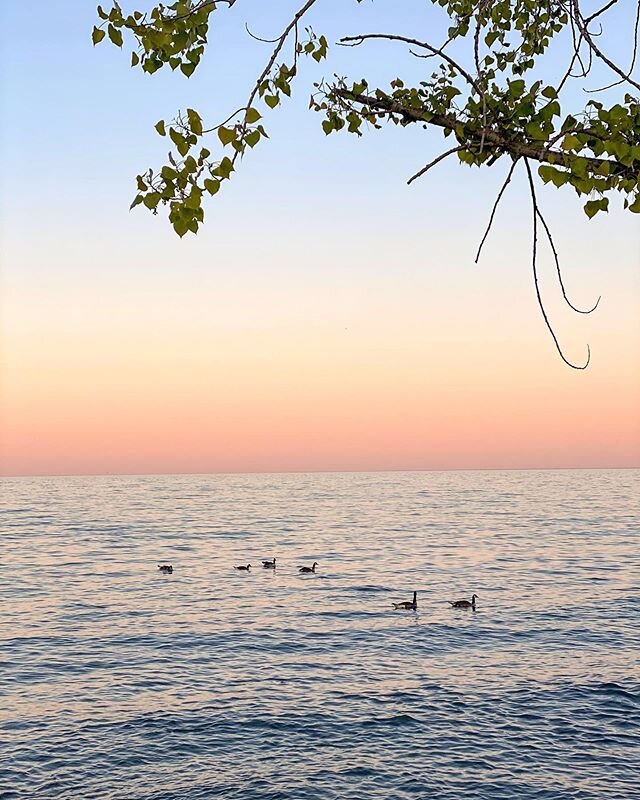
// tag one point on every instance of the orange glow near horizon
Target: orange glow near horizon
(201, 389)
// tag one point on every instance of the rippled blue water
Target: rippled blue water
(118, 682)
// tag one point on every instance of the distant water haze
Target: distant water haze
(122, 683)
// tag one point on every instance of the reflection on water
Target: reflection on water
(119, 682)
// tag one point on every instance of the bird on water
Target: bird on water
(408, 605)
(464, 603)
(244, 569)
(270, 563)
(308, 569)
(166, 568)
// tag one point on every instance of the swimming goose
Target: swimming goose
(308, 569)
(408, 605)
(269, 563)
(465, 603)
(167, 568)
(244, 569)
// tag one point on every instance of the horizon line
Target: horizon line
(311, 472)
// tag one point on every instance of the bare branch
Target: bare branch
(536, 283)
(558, 269)
(584, 30)
(495, 206)
(354, 41)
(633, 56)
(435, 161)
(600, 11)
(259, 38)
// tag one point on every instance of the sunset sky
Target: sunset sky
(327, 317)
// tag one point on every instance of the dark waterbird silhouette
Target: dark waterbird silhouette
(244, 569)
(166, 568)
(408, 605)
(308, 569)
(270, 563)
(464, 603)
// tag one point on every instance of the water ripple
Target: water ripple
(119, 683)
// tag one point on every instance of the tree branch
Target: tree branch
(495, 206)
(354, 41)
(435, 161)
(584, 30)
(535, 278)
(492, 137)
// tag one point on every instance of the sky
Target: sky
(327, 316)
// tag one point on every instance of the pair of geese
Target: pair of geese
(412, 605)
(270, 563)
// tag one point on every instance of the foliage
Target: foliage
(491, 104)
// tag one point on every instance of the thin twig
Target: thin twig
(354, 41)
(600, 11)
(559, 270)
(428, 166)
(293, 24)
(259, 38)
(583, 28)
(535, 278)
(633, 56)
(495, 206)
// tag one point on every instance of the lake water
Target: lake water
(118, 682)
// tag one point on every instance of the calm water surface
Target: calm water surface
(120, 683)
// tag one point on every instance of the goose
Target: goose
(269, 563)
(464, 603)
(167, 568)
(408, 605)
(244, 569)
(308, 569)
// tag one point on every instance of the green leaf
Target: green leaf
(271, 100)
(115, 35)
(557, 177)
(179, 140)
(97, 35)
(225, 167)
(151, 200)
(252, 115)
(160, 127)
(194, 200)
(212, 186)
(187, 69)
(516, 88)
(635, 206)
(571, 142)
(592, 207)
(195, 122)
(180, 226)
(226, 135)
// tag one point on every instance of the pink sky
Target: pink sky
(433, 369)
